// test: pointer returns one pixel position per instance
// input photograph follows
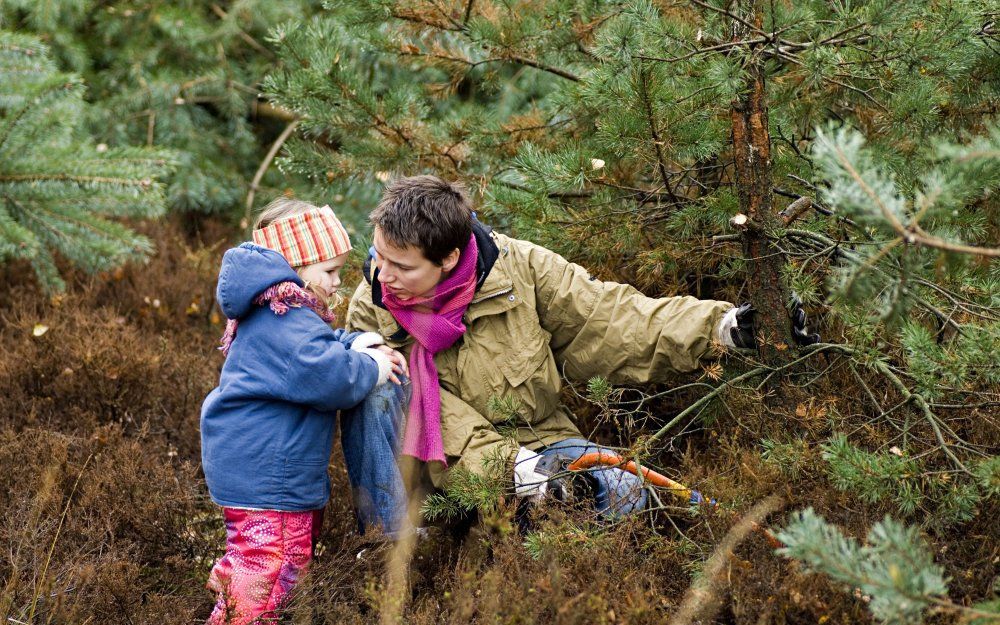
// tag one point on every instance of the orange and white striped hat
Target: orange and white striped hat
(306, 238)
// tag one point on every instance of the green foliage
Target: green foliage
(894, 570)
(179, 75)
(504, 410)
(988, 474)
(968, 360)
(789, 458)
(873, 477)
(59, 191)
(909, 208)
(602, 130)
(598, 390)
(908, 483)
(466, 491)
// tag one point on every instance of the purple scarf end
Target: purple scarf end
(428, 457)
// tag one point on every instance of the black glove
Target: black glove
(563, 485)
(800, 333)
(743, 334)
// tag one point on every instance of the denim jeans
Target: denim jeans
(616, 492)
(371, 434)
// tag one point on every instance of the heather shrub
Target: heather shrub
(133, 349)
(98, 526)
(105, 514)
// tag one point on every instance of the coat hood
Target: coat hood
(247, 271)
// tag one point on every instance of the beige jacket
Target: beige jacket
(537, 315)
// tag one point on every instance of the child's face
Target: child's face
(324, 277)
(405, 271)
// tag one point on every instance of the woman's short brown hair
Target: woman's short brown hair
(429, 213)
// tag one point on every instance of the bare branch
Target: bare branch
(796, 209)
(287, 132)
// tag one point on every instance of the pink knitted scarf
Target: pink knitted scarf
(280, 297)
(435, 323)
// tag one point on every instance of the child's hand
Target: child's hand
(398, 363)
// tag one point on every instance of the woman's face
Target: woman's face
(405, 271)
(324, 277)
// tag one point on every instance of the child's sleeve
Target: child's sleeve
(345, 337)
(325, 374)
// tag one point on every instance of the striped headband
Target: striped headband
(306, 238)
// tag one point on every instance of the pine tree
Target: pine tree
(175, 75)
(59, 191)
(624, 135)
(846, 152)
(643, 139)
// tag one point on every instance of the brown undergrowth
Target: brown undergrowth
(106, 517)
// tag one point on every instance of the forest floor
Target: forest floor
(106, 518)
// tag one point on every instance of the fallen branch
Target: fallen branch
(702, 598)
(812, 350)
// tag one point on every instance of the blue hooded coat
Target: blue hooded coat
(267, 429)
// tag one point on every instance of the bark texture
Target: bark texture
(752, 156)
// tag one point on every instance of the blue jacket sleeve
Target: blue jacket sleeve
(344, 336)
(323, 373)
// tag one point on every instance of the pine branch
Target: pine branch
(895, 571)
(657, 143)
(262, 169)
(523, 60)
(912, 234)
(144, 183)
(840, 252)
(253, 43)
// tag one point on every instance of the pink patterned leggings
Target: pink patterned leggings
(267, 551)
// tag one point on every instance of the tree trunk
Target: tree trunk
(752, 155)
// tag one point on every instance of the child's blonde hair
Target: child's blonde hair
(280, 207)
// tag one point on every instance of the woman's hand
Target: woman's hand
(398, 363)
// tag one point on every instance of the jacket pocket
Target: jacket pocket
(525, 351)
(305, 483)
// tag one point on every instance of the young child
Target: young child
(267, 429)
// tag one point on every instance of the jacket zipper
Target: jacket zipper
(491, 296)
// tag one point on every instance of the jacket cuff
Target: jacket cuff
(366, 340)
(724, 332)
(384, 365)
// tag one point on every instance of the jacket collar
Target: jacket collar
(488, 254)
(492, 280)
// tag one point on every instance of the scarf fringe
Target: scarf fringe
(280, 298)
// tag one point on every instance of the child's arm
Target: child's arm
(322, 372)
(356, 340)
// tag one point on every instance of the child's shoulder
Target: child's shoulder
(290, 327)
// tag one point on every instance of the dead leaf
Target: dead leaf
(713, 371)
